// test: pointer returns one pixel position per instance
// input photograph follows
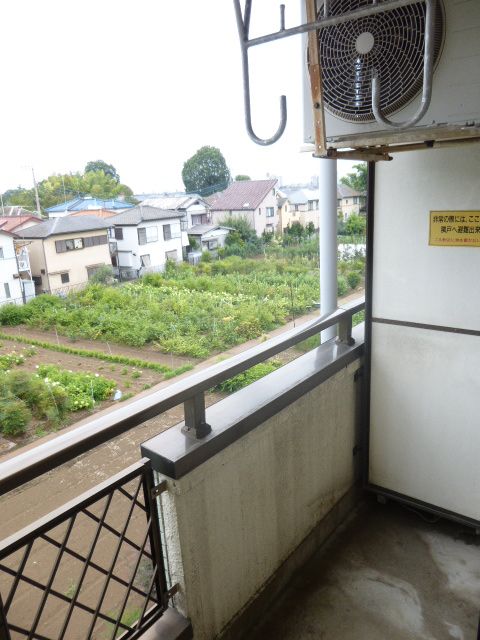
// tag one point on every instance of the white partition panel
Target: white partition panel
(425, 391)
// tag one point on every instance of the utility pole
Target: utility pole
(37, 199)
(1, 200)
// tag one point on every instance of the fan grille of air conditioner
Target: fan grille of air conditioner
(397, 55)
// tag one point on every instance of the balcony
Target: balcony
(244, 520)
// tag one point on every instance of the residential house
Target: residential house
(195, 208)
(145, 237)
(15, 223)
(349, 201)
(66, 252)
(253, 200)
(88, 205)
(16, 284)
(283, 212)
(303, 206)
(209, 237)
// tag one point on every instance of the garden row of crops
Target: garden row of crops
(191, 311)
(48, 395)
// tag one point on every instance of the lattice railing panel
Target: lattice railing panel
(92, 569)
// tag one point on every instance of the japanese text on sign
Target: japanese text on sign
(455, 228)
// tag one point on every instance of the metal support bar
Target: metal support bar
(344, 335)
(195, 420)
(331, 21)
(427, 78)
(4, 630)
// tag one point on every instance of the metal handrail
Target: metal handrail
(99, 429)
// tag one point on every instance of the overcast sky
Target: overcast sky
(142, 85)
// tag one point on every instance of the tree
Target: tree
(355, 225)
(357, 180)
(100, 165)
(206, 172)
(241, 177)
(57, 188)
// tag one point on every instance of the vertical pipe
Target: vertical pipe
(368, 315)
(328, 241)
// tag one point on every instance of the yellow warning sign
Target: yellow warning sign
(455, 228)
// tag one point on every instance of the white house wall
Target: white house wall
(130, 251)
(8, 271)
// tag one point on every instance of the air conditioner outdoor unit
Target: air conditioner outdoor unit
(391, 45)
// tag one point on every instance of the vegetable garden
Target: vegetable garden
(191, 311)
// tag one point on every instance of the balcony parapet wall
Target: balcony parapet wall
(242, 500)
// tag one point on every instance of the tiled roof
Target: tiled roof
(10, 223)
(201, 229)
(82, 204)
(100, 213)
(346, 192)
(17, 210)
(245, 194)
(66, 224)
(143, 213)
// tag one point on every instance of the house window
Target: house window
(171, 255)
(145, 260)
(212, 244)
(1, 253)
(183, 225)
(147, 234)
(310, 205)
(270, 212)
(68, 245)
(118, 233)
(94, 241)
(171, 231)
(65, 278)
(7, 290)
(200, 219)
(296, 207)
(355, 199)
(259, 211)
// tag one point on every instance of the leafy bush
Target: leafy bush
(342, 286)
(353, 279)
(103, 275)
(14, 417)
(81, 389)
(247, 377)
(12, 314)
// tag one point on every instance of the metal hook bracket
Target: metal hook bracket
(427, 78)
(243, 26)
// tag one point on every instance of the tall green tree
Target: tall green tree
(100, 165)
(206, 172)
(57, 188)
(241, 177)
(358, 179)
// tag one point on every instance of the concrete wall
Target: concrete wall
(236, 518)
(425, 379)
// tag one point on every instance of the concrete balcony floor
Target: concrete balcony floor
(387, 574)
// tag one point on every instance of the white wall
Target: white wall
(426, 383)
(156, 250)
(236, 518)
(8, 268)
